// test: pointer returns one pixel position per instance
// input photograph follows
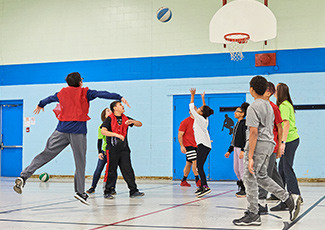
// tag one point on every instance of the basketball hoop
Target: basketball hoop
(235, 44)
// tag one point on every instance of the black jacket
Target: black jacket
(239, 135)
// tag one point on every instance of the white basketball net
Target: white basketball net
(235, 45)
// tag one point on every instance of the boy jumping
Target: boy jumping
(71, 130)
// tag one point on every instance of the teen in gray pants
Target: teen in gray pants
(259, 147)
(72, 113)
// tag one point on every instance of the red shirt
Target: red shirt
(277, 120)
(187, 127)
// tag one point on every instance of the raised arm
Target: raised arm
(203, 100)
(193, 91)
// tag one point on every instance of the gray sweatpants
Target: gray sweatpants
(272, 171)
(55, 144)
(261, 161)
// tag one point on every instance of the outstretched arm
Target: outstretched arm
(44, 102)
(193, 91)
(38, 110)
(125, 102)
(203, 100)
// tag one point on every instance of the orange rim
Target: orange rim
(242, 37)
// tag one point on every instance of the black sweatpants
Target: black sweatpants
(202, 154)
(121, 158)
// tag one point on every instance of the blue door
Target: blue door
(221, 123)
(181, 111)
(11, 137)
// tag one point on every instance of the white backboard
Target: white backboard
(243, 16)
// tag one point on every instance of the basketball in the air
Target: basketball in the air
(44, 177)
(164, 14)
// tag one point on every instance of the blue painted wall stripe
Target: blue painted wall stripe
(168, 67)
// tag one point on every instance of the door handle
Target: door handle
(11, 146)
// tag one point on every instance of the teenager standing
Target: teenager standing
(290, 142)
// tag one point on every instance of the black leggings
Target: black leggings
(202, 154)
(286, 167)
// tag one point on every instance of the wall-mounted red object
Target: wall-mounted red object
(266, 59)
(27, 129)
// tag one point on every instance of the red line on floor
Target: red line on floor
(162, 210)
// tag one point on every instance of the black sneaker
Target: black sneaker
(248, 219)
(91, 190)
(241, 194)
(272, 198)
(197, 191)
(113, 192)
(262, 210)
(293, 203)
(108, 196)
(281, 206)
(137, 194)
(82, 197)
(19, 184)
(203, 192)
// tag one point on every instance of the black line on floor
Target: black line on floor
(48, 209)
(173, 227)
(228, 207)
(243, 209)
(118, 225)
(289, 225)
(66, 202)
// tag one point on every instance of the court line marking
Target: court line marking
(68, 201)
(289, 225)
(120, 225)
(161, 210)
(244, 209)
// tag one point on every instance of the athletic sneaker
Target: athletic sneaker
(197, 191)
(262, 210)
(241, 194)
(91, 190)
(113, 192)
(248, 219)
(184, 183)
(272, 198)
(203, 192)
(19, 184)
(293, 203)
(82, 197)
(137, 194)
(198, 183)
(108, 196)
(281, 206)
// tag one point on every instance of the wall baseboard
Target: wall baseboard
(312, 180)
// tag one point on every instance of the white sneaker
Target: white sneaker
(19, 184)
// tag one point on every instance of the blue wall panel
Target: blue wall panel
(169, 67)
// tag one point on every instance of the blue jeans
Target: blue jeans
(98, 171)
